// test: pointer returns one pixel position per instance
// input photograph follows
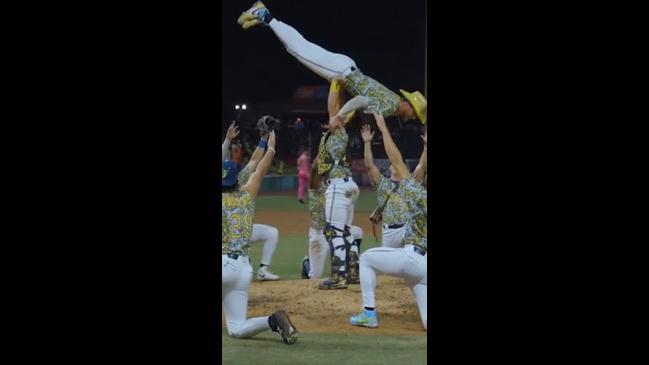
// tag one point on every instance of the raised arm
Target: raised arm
(340, 116)
(231, 134)
(420, 170)
(259, 151)
(391, 148)
(355, 103)
(372, 170)
(254, 182)
(334, 101)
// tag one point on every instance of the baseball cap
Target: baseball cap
(229, 171)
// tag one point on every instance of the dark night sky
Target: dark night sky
(385, 39)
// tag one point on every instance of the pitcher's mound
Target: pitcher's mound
(328, 311)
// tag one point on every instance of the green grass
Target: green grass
(366, 202)
(290, 250)
(267, 348)
(287, 259)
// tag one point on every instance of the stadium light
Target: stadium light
(236, 107)
(243, 107)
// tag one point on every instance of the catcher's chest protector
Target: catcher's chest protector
(324, 161)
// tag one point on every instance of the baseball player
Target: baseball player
(368, 95)
(342, 192)
(410, 261)
(318, 245)
(260, 232)
(237, 213)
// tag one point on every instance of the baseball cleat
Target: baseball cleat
(285, 327)
(365, 319)
(329, 284)
(258, 12)
(264, 275)
(353, 281)
(251, 23)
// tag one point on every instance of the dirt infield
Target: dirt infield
(328, 311)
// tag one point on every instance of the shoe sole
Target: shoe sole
(286, 328)
(266, 279)
(330, 286)
(251, 23)
(363, 325)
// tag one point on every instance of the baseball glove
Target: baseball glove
(267, 124)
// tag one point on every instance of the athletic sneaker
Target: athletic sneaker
(251, 23)
(284, 327)
(365, 319)
(257, 14)
(264, 275)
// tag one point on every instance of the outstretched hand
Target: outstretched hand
(380, 122)
(366, 133)
(233, 132)
(335, 122)
(271, 139)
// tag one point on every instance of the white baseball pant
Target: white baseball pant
(324, 63)
(392, 237)
(268, 234)
(400, 262)
(340, 197)
(235, 281)
(319, 250)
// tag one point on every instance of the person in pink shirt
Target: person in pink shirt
(303, 171)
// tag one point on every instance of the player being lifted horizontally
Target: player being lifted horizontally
(368, 95)
(237, 213)
(409, 262)
(260, 232)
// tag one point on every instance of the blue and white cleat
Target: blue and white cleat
(257, 14)
(365, 319)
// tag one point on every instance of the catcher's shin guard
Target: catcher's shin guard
(338, 278)
(353, 263)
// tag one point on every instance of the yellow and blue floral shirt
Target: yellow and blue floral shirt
(237, 212)
(382, 99)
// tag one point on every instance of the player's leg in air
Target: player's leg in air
(269, 235)
(327, 65)
(367, 93)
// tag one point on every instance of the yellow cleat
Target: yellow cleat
(257, 11)
(251, 23)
